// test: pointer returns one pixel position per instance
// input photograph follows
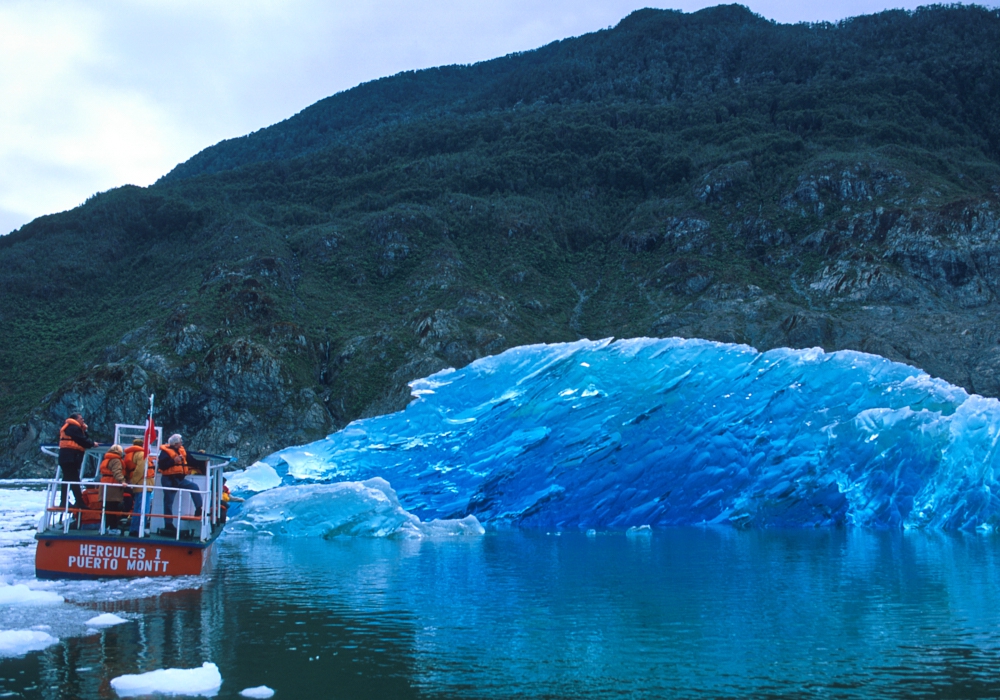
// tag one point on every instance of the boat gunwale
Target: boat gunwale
(171, 541)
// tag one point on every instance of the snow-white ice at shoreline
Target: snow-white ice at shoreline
(204, 682)
(261, 691)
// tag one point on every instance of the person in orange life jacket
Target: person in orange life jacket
(73, 443)
(227, 498)
(142, 474)
(172, 464)
(113, 472)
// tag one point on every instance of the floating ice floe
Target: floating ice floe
(21, 642)
(54, 606)
(106, 620)
(204, 681)
(261, 691)
(20, 594)
(640, 531)
(365, 509)
(610, 435)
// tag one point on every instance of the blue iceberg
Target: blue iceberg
(662, 432)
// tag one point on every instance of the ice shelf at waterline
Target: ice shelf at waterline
(602, 434)
(345, 509)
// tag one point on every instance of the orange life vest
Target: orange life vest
(179, 456)
(91, 514)
(107, 476)
(129, 460)
(68, 443)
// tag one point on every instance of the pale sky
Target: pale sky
(95, 94)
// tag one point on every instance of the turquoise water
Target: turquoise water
(687, 613)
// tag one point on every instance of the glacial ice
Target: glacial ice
(618, 434)
(261, 691)
(356, 509)
(257, 477)
(204, 681)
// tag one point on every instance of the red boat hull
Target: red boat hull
(81, 557)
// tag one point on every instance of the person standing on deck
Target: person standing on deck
(173, 468)
(73, 444)
(113, 472)
(141, 474)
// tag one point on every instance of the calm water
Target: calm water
(683, 613)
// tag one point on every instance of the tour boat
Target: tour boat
(76, 543)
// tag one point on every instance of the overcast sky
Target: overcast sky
(100, 93)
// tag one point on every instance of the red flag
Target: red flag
(149, 437)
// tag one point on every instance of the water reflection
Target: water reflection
(683, 613)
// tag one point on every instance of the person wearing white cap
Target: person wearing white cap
(173, 467)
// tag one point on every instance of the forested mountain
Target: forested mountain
(708, 175)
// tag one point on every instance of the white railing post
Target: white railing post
(65, 514)
(104, 504)
(142, 506)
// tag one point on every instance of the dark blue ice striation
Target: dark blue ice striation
(612, 434)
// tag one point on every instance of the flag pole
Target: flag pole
(145, 468)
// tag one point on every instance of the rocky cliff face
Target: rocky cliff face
(710, 175)
(917, 284)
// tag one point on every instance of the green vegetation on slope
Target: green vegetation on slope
(621, 183)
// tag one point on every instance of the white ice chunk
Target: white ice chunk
(356, 509)
(106, 620)
(22, 500)
(468, 525)
(20, 594)
(257, 477)
(20, 642)
(640, 531)
(261, 691)
(204, 681)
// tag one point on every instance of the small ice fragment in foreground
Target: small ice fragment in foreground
(22, 595)
(257, 477)
(204, 681)
(261, 691)
(20, 642)
(106, 620)
(641, 531)
(591, 532)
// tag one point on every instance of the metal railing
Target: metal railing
(63, 517)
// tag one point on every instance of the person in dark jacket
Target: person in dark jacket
(173, 467)
(73, 444)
